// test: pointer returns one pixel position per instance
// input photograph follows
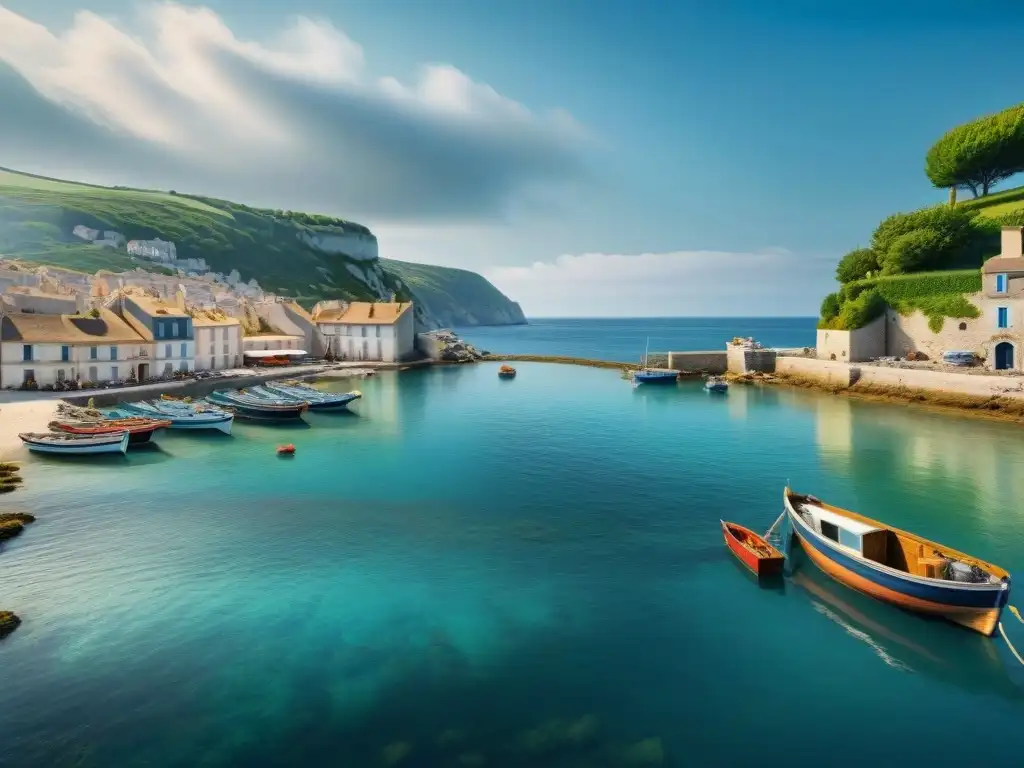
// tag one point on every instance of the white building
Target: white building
(47, 349)
(272, 341)
(218, 341)
(85, 233)
(364, 330)
(166, 327)
(154, 250)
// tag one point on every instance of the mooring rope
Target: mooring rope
(1006, 640)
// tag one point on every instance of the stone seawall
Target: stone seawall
(711, 361)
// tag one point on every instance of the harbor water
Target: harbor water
(474, 571)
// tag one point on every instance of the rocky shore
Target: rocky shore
(449, 348)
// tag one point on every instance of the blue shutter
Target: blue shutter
(1002, 319)
(1000, 283)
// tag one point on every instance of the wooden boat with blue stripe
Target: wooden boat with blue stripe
(898, 567)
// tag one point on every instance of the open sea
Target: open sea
(468, 571)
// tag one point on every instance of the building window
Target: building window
(225, 348)
(211, 348)
(184, 350)
(184, 366)
(113, 353)
(1000, 283)
(224, 335)
(60, 374)
(225, 361)
(28, 375)
(159, 329)
(113, 372)
(167, 350)
(26, 353)
(65, 354)
(363, 329)
(1002, 317)
(174, 330)
(376, 330)
(94, 353)
(94, 373)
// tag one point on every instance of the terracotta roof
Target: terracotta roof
(67, 329)
(365, 313)
(1001, 264)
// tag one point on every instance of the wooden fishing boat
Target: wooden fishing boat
(139, 430)
(716, 384)
(318, 401)
(181, 415)
(897, 567)
(751, 549)
(249, 407)
(506, 372)
(286, 450)
(70, 444)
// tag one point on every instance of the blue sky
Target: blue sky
(700, 160)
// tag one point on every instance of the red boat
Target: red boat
(753, 551)
(139, 430)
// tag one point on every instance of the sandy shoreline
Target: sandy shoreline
(27, 416)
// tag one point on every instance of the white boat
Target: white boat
(68, 444)
(181, 415)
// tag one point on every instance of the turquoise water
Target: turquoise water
(624, 339)
(467, 559)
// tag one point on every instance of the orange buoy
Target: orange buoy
(286, 450)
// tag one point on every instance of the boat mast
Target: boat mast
(647, 348)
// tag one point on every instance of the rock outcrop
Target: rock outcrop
(8, 623)
(445, 346)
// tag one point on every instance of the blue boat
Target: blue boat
(716, 384)
(897, 567)
(262, 409)
(182, 415)
(647, 375)
(318, 401)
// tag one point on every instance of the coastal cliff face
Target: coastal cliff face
(358, 246)
(455, 297)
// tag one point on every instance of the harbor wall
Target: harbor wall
(744, 360)
(835, 373)
(860, 345)
(710, 361)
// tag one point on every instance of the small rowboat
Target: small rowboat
(139, 430)
(764, 560)
(69, 444)
(286, 450)
(716, 384)
(898, 567)
(506, 372)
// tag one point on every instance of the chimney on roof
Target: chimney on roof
(1012, 243)
(372, 306)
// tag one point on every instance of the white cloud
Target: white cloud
(179, 101)
(681, 283)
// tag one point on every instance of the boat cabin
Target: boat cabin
(868, 541)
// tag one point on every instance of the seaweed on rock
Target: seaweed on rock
(8, 623)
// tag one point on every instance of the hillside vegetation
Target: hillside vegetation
(38, 214)
(928, 260)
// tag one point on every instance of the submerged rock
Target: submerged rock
(8, 623)
(646, 752)
(10, 528)
(395, 753)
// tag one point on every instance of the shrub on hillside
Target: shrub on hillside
(860, 311)
(955, 227)
(913, 252)
(830, 307)
(856, 265)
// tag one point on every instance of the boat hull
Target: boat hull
(193, 420)
(641, 377)
(260, 411)
(314, 400)
(77, 448)
(762, 567)
(716, 387)
(977, 609)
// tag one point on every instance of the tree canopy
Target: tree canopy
(980, 153)
(856, 265)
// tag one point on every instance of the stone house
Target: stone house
(996, 335)
(362, 330)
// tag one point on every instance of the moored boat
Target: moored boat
(898, 567)
(647, 375)
(751, 549)
(506, 372)
(139, 430)
(250, 407)
(716, 384)
(318, 401)
(181, 415)
(71, 444)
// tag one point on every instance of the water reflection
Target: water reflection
(909, 642)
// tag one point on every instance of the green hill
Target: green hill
(38, 214)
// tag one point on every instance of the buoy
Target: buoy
(286, 450)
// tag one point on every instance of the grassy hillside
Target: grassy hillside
(38, 214)
(456, 297)
(997, 204)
